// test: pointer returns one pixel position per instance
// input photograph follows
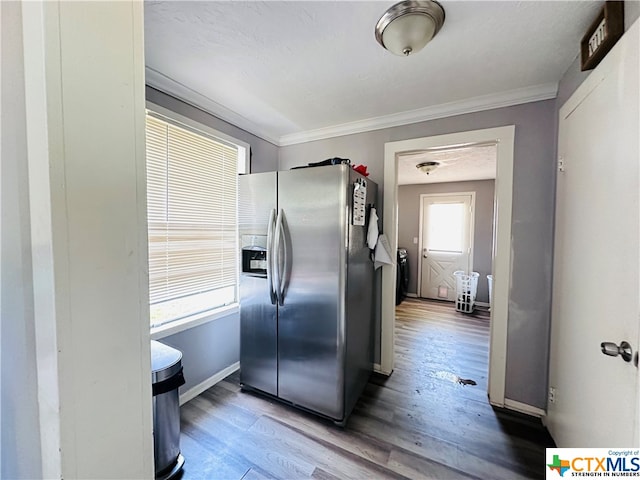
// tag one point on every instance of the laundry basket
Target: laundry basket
(466, 288)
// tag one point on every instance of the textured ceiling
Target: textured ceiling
(282, 68)
(455, 165)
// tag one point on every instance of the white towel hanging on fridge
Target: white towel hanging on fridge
(383, 252)
(372, 233)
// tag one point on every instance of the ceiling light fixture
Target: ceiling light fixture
(408, 26)
(427, 167)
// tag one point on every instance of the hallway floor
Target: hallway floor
(429, 419)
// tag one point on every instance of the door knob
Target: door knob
(613, 350)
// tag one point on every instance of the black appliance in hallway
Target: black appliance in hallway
(402, 279)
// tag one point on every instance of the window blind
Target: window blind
(191, 203)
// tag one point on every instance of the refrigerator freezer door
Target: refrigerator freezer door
(258, 313)
(312, 262)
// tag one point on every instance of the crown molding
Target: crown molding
(509, 98)
(485, 102)
(169, 86)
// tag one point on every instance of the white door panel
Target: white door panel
(596, 295)
(447, 231)
(438, 274)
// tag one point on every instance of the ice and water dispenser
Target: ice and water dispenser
(254, 254)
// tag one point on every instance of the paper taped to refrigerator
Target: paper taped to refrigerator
(359, 202)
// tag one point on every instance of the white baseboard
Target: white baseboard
(415, 295)
(208, 383)
(524, 408)
(378, 369)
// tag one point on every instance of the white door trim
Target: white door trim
(420, 222)
(62, 157)
(504, 138)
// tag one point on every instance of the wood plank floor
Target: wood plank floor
(419, 423)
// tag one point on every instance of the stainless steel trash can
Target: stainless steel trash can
(166, 377)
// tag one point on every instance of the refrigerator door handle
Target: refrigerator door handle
(279, 282)
(286, 267)
(270, 257)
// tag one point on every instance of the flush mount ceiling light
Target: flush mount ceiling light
(408, 26)
(427, 167)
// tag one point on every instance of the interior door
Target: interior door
(596, 281)
(447, 226)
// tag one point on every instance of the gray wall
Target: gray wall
(409, 226)
(532, 221)
(209, 348)
(19, 414)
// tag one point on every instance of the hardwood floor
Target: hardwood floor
(421, 422)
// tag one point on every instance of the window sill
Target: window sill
(193, 321)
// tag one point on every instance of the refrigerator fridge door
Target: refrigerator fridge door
(311, 246)
(359, 302)
(258, 311)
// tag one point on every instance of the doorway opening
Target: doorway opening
(503, 139)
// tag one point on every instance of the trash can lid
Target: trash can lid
(165, 361)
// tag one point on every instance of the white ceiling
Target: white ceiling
(301, 70)
(455, 165)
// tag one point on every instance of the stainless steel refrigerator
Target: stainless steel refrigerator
(306, 287)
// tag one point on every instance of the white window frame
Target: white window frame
(191, 321)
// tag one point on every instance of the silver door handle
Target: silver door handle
(613, 350)
(286, 267)
(277, 260)
(270, 256)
